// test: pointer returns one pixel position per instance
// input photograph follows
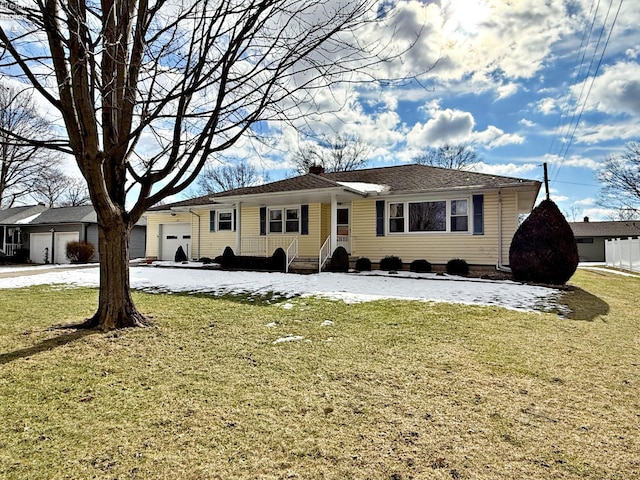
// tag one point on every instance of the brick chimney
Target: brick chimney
(316, 169)
(586, 219)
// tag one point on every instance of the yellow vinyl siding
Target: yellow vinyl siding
(436, 247)
(308, 245)
(250, 221)
(154, 220)
(206, 243)
(213, 244)
(325, 230)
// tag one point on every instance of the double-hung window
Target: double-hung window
(284, 220)
(396, 217)
(225, 221)
(459, 216)
(222, 221)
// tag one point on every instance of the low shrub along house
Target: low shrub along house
(409, 211)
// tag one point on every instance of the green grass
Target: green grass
(390, 390)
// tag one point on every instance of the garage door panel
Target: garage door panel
(173, 236)
(40, 247)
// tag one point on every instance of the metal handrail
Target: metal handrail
(292, 253)
(324, 254)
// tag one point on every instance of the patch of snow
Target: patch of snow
(326, 323)
(287, 306)
(347, 287)
(289, 338)
(28, 219)
(271, 325)
(365, 188)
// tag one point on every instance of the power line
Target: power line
(580, 102)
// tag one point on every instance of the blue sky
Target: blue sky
(525, 82)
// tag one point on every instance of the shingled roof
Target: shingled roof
(14, 215)
(398, 179)
(606, 229)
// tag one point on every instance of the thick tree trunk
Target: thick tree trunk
(115, 305)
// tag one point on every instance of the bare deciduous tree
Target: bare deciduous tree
(56, 189)
(187, 79)
(458, 156)
(21, 162)
(620, 177)
(227, 176)
(339, 153)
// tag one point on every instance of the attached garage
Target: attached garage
(172, 236)
(40, 246)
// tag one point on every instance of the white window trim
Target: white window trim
(284, 209)
(233, 223)
(447, 231)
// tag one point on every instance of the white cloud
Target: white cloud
(507, 90)
(507, 169)
(444, 126)
(596, 133)
(585, 201)
(494, 137)
(573, 161)
(599, 213)
(546, 105)
(527, 123)
(616, 90)
(456, 126)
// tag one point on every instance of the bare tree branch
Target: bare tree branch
(620, 177)
(21, 160)
(458, 156)
(338, 153)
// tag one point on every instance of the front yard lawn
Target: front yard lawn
(319, 389)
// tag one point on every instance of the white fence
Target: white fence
(623, 253)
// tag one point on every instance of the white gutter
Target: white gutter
(194, 213)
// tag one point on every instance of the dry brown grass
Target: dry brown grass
(390, 390)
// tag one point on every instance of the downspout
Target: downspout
(194, 213)
(499, 266)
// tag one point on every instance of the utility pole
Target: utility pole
(546, 179)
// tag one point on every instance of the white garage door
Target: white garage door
(172, 236)
(61, 239)
(40, 246)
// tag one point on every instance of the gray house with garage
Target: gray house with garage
(590, 236)
(41, 234)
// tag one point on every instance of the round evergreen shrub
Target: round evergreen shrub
(363, 264)
(420, 266)
(279, 260)
(228, 259)
(543, 249)
(457, 266)
(339, 260)
(391, 263)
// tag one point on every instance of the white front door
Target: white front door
(172, 236)
(343, 228)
